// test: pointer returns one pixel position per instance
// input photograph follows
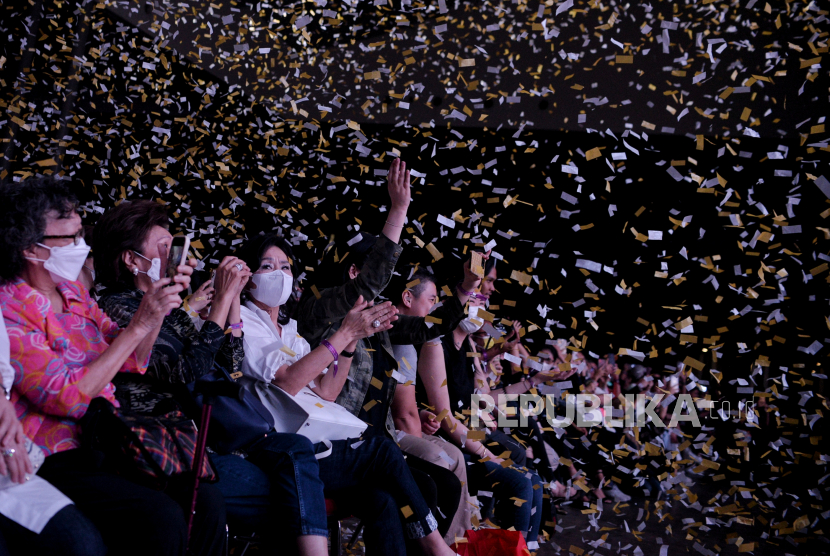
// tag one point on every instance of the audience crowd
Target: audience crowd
(92, 316)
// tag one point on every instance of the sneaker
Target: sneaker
(618, 495)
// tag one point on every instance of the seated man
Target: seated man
(416, 430)
(366, 272)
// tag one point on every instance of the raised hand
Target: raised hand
(399, 192)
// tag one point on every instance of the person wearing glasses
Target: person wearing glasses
(64, 352)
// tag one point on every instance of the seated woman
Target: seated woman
(275, 480)
(64, 352)
(374, 471)
(56, 525)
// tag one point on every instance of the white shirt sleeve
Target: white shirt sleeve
(6, 370)
(265, 352)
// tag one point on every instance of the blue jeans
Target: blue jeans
(296, 491)
(374, 481)
(507, 482)
(69, 533)
(247, 492)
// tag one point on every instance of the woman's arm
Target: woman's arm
(328, 386)
(53, 389)
(293, 378)
(356, 325)
(433, 373)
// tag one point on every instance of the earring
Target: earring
(135, 271)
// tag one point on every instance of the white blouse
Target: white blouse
(266, 350)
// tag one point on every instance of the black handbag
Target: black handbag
(238, 418)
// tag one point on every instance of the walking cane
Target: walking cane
(201, 445)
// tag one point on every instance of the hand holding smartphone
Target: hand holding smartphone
(178, 255)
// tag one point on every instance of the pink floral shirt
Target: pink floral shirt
(50, 353)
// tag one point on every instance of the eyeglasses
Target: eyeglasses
(77, 237)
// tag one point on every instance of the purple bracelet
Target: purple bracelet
(236, 326)
(333, 353)
(463, 291)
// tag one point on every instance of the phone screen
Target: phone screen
(178, 250)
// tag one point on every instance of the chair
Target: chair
(334, 516)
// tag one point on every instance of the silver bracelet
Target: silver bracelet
(396, 225)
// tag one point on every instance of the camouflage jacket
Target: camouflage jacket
(319, 318)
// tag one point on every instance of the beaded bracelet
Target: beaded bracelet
(333, 353)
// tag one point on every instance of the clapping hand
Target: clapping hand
(361, 321)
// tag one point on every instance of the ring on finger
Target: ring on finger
(376, 323)
(8, 452)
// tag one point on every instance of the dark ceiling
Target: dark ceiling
(662, 67)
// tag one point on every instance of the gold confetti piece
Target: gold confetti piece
(406, 511)
(413, 283)
(369, 405)
(521, 277)
(436, 254)
(810, 62)
(593, 153)
(484, 315)
(430, 318)
(288, 351)
(476, 264)
(694, 363)
(625, 59)
(376, 383)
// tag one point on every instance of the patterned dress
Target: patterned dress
(181, 353)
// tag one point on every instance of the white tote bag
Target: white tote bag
(307, 413)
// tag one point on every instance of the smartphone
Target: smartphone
(178, 254)
(611, 359)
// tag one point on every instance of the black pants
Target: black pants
(68, 533)
(440, 488)
(134, 519)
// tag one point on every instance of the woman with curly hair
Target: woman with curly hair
(64, 352)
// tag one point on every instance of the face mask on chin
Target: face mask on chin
(272, 288)
(154, 273)
(65, 263)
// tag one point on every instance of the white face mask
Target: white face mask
(272, 288)
(65, 262)
(472, 323)
(154, 274)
